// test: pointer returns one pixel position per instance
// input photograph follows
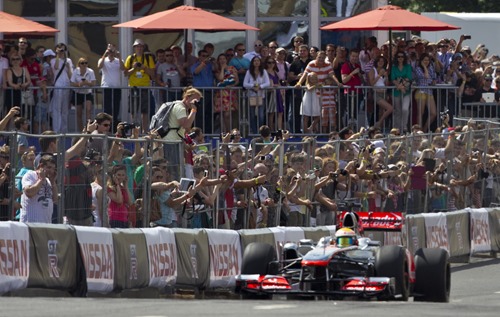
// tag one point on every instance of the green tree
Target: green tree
(485, 6)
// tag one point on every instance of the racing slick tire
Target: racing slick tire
(256, 258)
(432, 273)
(391, 261)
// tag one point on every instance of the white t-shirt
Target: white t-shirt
(111, 73)
(39, 207)
(95, 204)
(178, 112)
(63, 80)
(77, 77)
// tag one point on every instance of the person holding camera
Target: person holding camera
(203, 76)
(83, 76)
(39, 192)
(62, 67)
(111, 66)
(140, 70)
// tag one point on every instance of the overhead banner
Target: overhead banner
(96, 245)
(162, 255)
(225, 257)
(479, 231)
(14, 256)
(436, 231)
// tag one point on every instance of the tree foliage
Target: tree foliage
(484, 6)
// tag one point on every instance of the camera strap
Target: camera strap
(60, 71)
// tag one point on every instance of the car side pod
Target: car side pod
(433, 275)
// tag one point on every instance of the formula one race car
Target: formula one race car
(345, 265)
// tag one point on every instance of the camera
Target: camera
(443, 114)
(192, 135)
(278, 134)
(231, 137)
(138, 64)
(205, 173)
(467, 37)
(483, 174)
(127, 127)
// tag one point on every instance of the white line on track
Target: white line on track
(270, 307)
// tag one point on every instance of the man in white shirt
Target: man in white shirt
(4, 65)
(111, 66)
(39, 192)
(256, 52)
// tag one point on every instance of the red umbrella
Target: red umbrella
(13, 24)
(389, 18)
(186, 18)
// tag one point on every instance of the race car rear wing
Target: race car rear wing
(373, 220)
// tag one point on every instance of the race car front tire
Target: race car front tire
(256, 258)
(390, 261)
(432, 270)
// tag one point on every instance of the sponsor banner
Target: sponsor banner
(131, 259)
(495, 229)
(96, 246)
(193, 264)
(14, 256)
(458, 232)
(415, 232)
(436, 231)
(162, 256)
(479, 230)
(55, 261)
(225, 257)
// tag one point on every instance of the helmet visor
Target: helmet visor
(345, 241)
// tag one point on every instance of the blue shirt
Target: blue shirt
(205, 78)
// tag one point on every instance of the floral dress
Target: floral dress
(227, 99)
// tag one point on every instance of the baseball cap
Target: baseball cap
(280, 49)
(138, 42)
(49, 52)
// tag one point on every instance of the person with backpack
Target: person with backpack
(172, 121)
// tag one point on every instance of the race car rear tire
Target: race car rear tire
(432, 273)
(256, 258)
(390, 261)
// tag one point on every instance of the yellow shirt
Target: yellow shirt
(140, 78)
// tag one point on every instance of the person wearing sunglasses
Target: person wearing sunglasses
(83, 76)
(104, 125)
(256, 52)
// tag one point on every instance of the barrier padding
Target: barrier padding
(15, 256)
(193, 266)
(55, 262)
(317, 233)
(131, 259)
(458, 233)
(480, 237)
(494, 218)
(97, 249)
(162, 256)
(225, 257)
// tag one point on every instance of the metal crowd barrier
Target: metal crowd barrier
(224, 108)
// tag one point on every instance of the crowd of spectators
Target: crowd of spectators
(277, 178)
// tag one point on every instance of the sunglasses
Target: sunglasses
(22, 42)
(271, 62)
(84, 63)
(229, 55)
(274, 47)
(299, 41)
(15, 59)
(203, 55)
(169, 55)
(258, 45)
(401, 56)
(106, 125)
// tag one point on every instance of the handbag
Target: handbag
(27, 95)
(255, 101)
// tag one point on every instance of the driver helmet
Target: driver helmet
(345, 237)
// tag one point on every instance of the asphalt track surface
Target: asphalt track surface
(475, 291)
